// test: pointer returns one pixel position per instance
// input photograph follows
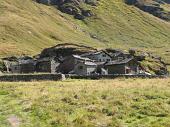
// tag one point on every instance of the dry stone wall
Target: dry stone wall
(32, 77)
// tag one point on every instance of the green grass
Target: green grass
(82, 103)
(27, 27)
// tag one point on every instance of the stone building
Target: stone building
(125, 66)
(99, 56)
(85, 68)
(47, 64)
(77, 65)
(119, 55)
(21, 65)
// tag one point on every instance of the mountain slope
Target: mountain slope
(28, 27)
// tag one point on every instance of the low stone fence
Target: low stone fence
(57, 77)
(114, 76)
(31, 77)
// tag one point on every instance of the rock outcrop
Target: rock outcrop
(153, 7)
(150, 62)
(66, 49)
(72, 7)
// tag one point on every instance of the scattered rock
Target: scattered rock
(79, 16)
(67, 100)
(76, 96)
(14, 121)
(87, 13)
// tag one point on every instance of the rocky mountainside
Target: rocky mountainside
(78, 8)
(154, 7)
(29, 26)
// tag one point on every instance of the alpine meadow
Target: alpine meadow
(84, 63)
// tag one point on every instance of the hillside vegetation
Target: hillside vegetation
(26, 27)
(86, 103)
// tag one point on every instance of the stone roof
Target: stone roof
(90, 63)
(117, 62)
(95, 53)
(45, 59)
(100, 63)
(81, 58)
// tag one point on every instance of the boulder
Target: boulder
(91, 2)
(69, 10)
(79, 16)
(87, 13)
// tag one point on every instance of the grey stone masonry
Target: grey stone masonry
(31, 77)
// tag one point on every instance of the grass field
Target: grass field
(27, 27)
(86, 103)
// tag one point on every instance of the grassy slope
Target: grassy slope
(28, 27)
(81, 103)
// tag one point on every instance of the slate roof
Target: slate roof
(45, 59)
(100, 63)
(25, 58)
(95, 53)
(81, 58)
(117, 62)
(117, 52)
(90, 63)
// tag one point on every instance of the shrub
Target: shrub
(2, 66)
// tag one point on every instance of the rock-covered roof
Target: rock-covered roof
(96, 53)
(117, 62)
(82, 58)
(90, 63)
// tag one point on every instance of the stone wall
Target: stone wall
(58, 77)
(31, 77)
(114, 76)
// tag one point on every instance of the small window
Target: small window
(104, 55)
(100, 60)
(128, 71)
(108, 59)
(80, 67)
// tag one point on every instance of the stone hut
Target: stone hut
(85, 68)
(125, 66)
(47, 64)
(76, 64)
(20, 65)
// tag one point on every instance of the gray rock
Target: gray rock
(72, 7)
